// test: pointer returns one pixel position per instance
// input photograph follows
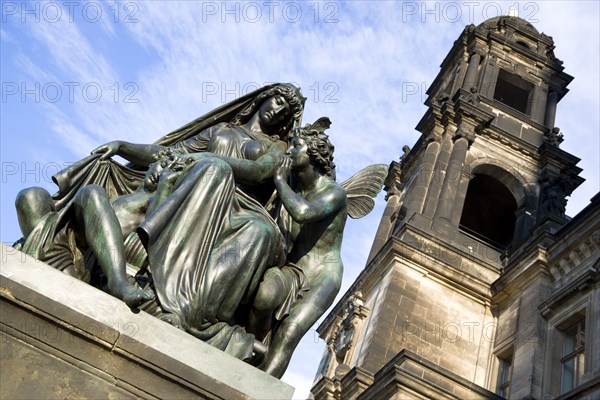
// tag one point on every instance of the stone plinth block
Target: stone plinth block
(61, 338)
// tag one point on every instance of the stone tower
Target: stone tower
(470, 252)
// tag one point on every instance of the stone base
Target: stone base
(61, 338)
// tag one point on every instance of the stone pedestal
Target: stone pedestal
(61, 338)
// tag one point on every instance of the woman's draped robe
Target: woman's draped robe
(209, 245)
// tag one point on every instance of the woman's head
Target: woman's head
(272, 98)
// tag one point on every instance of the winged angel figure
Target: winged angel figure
(293, 297)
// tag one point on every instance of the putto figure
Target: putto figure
(318, 207)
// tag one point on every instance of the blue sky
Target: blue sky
(78, 74)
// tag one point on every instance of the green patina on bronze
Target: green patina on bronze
(235, 221)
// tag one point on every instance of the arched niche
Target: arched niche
(492, 204)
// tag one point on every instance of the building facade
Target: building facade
(477, 285)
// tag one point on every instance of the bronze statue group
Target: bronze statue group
(233, 223)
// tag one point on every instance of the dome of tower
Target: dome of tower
(494, 23)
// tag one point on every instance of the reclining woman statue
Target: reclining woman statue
(204, 213)
(210, 240)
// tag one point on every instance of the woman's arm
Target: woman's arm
(253, 172)
(141, 154)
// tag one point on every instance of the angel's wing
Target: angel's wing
(362, 187)
(322, 124)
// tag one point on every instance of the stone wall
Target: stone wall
(62, 338)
